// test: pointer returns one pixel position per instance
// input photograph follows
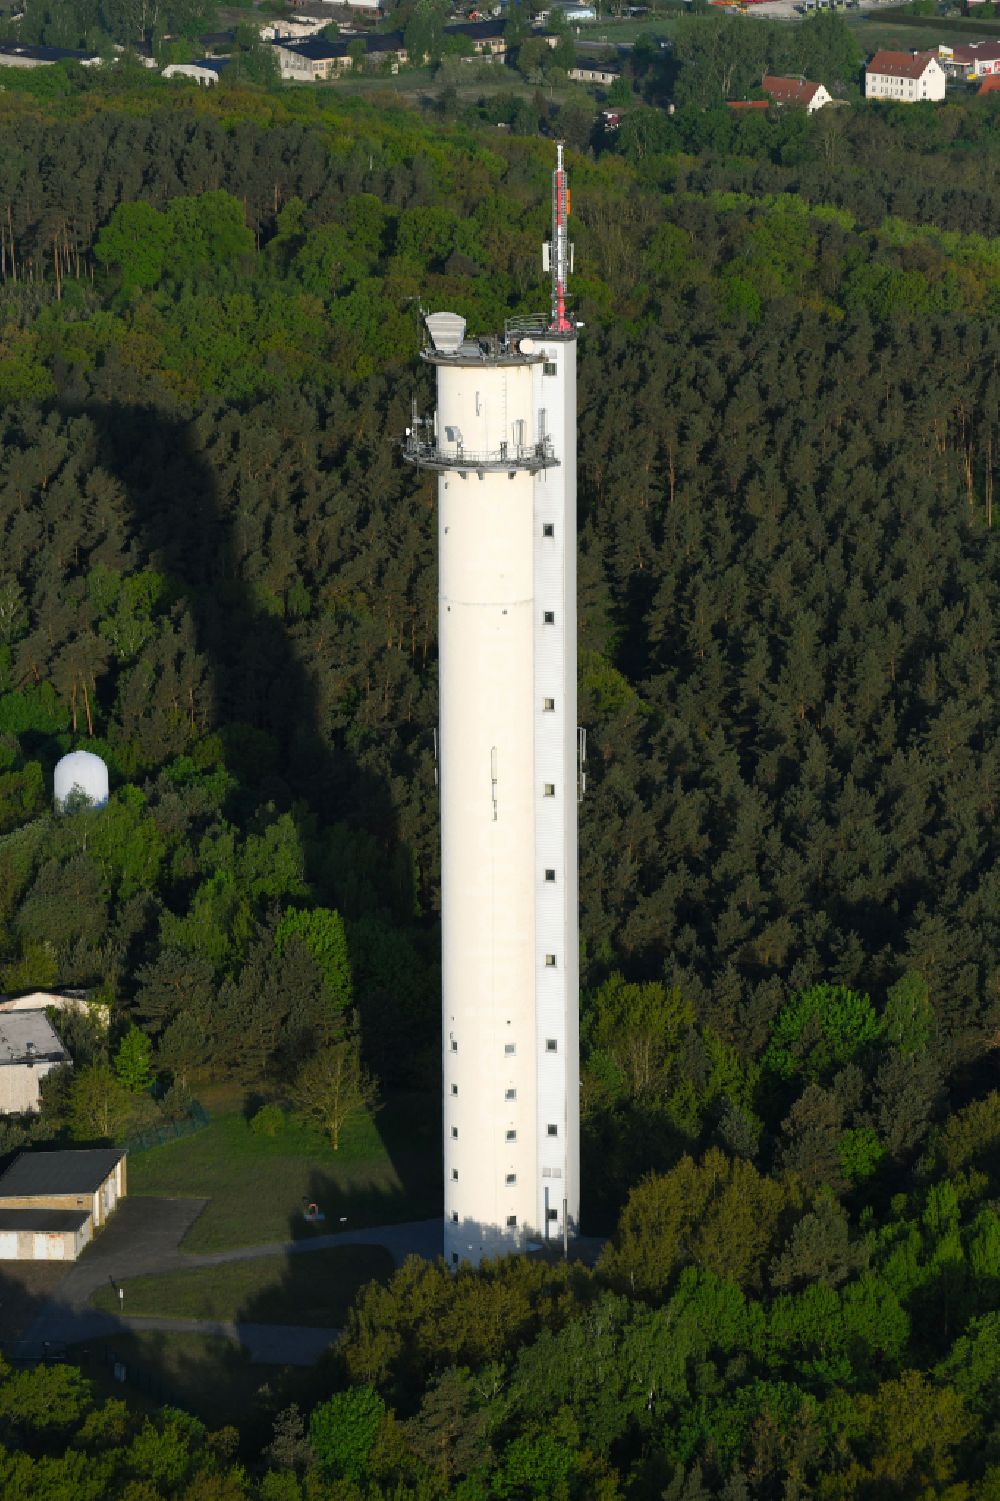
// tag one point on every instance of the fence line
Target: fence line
(195, 1120)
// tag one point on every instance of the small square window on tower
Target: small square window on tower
(551, 1046)
(454, 1045)
(548, 705)
(454, 1089)
(512, 1222)
(510, 1094)
(454, 1258)
(550, 961)
(550, 874)
(549, 789)
(548, 529)
(510, 1048)
(553, 1214)
(454, 1216)
(510, 1180)
(552, 1130)
(454, 1175)
(549, 367)
(454, 1133)
(549, 617)
(512, 1136)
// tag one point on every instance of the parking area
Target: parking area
(25, 1286)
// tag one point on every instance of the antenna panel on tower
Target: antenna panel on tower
(447, 330)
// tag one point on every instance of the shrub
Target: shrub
(268, 1121)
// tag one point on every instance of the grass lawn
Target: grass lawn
(407, 81)
(884, 32)
(613, 32)
(388, 1169)
(212, 1378)
(872, 35)
(315, 1289)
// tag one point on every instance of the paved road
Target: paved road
(143, 1238)
(267, 1344)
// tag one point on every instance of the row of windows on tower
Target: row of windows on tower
(510, 1048)
(510, 1179)
(511, 1223)
(510, 1135)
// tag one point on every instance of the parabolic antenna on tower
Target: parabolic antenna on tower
(81, 774)
(447, 330)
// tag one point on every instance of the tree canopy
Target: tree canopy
(216, 572)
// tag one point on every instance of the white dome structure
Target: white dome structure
(83, 774)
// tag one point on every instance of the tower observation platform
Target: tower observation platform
(502, 441)
(430, 448)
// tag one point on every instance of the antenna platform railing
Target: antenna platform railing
(527, 456)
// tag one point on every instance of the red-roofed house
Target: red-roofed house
(747, 104)
(796, 91)
(904, 76)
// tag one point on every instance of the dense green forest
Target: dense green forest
(215, 571)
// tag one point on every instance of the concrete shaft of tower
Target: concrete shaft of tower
(504, 445)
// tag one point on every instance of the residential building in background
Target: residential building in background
(905, 76)
(591, 70)
(798, 92)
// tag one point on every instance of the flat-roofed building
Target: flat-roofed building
(971, 60)
(30, 1048)
(89, 1181)
(25, 55)
(592, 70)
(488, 38)
(311, 60)
(44, 1234)
(318, 58)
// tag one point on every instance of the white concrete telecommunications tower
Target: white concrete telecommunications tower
(503, 441)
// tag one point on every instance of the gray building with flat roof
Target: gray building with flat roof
(30, 1048)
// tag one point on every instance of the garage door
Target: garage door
(49, 1248)
(8, 1245)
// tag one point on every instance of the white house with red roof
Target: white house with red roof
(906, 77)
(795, 91)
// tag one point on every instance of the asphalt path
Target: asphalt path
(143, 1238)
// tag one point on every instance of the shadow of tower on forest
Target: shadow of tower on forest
(258, 686)
(257, 692)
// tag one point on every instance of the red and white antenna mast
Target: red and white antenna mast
(560, 251)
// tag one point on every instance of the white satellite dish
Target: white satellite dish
(527, 346)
